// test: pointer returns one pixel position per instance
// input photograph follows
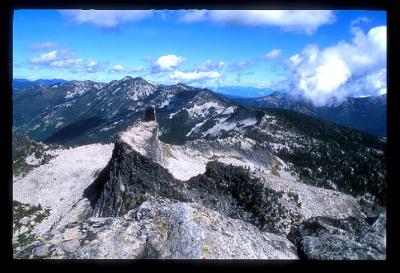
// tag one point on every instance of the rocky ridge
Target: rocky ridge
(224, 211)
(318, 153)
(163, 229)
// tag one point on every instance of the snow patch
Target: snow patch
(229, 110)
(203, 110)
(221, 125)
(248, 122)
(173, 114)
(59, 124)
(105, 129)
(166, 101)
(32, 160)
(138, 90)
(190, 159)
(198, 125)
(35, 127)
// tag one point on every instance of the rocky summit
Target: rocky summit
(163, 229)
(190, 175)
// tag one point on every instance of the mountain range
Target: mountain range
(24, 83)
(366, 114)
(86, 161)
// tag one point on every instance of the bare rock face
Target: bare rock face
(324, 238)
(128, 180)
(131, 179)
(149, 114)
(136, 173)
(51, 194)
(162, 229)
(137, 208)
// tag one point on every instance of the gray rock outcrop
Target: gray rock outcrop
(149, 114)
(137, 208)
(162, 229)
(323, 238)
(131, 179)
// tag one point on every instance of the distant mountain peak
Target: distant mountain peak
(277, 94)
(77, 82)
(126, 78)
(136, 79)
(183, 86)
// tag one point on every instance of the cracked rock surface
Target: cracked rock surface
(163, 229)
(352, 238)
(136, 207)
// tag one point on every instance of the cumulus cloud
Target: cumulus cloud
(273, 54)
(56, 59)
(107, 19)
(304, 21)
(44, 45)
(119, 68)
(93, 66)
(295, 60)
(167, 63)
(372, 84)
(66, 59)
(196, 75)
(329, 75)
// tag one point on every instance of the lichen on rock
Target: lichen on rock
(137, 234)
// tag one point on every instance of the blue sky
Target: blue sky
(203, 48)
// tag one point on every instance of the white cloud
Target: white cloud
(91, 63)
(241, 66)
(377, 81)
(370, 85)
(44, 45)
(211, 65)
(56, 58)
(194, 75)
(106, 18)
(295, 60)
(360, 20)
(64, 63)
(167, 63)
(306, 21)
(119, 68)
(330, 75)
(194, 16)
(65, 59)
(93, 66)
(273, 54)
